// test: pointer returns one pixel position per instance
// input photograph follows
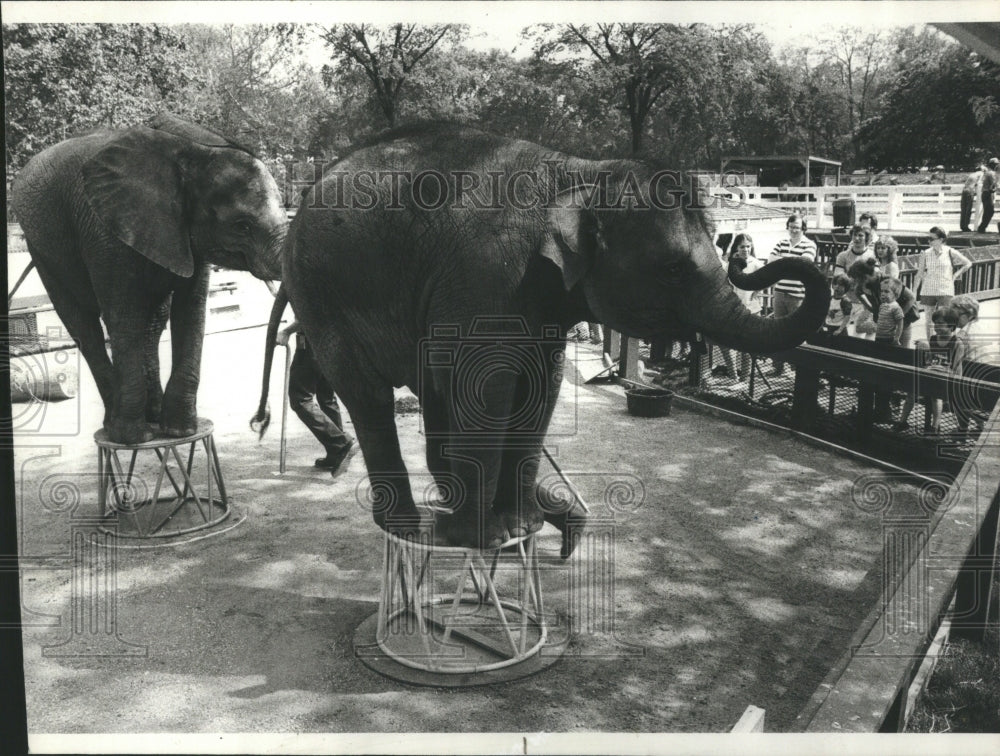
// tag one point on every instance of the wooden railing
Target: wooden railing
(916, 207)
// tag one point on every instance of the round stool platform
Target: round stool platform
(487, 625)
(124, 494)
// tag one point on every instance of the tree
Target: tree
(644, 62)
(860, 59)
(256, 86)
(940, 108)
(818, 114)
(388, 56)
(61, 79)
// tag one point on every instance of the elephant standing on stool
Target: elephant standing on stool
(453, 262)
(123, 227)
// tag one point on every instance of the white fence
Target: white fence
(901, 208)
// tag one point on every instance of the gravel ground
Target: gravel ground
(735, 576)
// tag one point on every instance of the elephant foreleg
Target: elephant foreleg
(127, 422)
(436, 436)
(515, 501)
(465, 438)
(187, 334)
(154, 389)
(520, 502)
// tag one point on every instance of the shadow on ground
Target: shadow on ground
(736, 566)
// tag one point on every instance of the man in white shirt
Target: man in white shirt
(788, 293)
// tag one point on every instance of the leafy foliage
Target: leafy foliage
(65, 78)
(941, 107)
(389, 56)
(683, 94)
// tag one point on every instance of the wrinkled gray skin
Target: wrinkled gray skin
(124, 226)
(368, 285)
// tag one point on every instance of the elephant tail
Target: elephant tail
(262, 419)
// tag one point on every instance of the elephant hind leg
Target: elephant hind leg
(80, 314)
(534, 399)
(372, 410)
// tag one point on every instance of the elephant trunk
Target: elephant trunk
(728, 322)
(262, 419)
(267, 265)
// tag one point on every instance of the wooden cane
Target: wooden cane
(562, 476)
(27, 270)
(284, 409)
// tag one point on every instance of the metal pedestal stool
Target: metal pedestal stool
(125, 499)
(486, 625)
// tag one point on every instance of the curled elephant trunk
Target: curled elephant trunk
(731, 324)
(262, 419)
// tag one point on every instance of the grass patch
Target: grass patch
(963, 694)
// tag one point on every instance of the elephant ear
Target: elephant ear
(193, 132)
(135, 187)
(571, 233)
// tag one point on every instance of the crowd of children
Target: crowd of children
(869, 301)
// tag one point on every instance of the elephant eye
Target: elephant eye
(242, 227)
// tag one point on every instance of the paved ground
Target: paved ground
(736, 577)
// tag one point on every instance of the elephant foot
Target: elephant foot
(566, 513)
(523, 519)
(406, 522)
(173, 431)
(129, 432)
(571, 524)
(484, 533)
(178, 424)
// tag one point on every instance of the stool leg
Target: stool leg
(102, 484)
(496, 603)
(457, 600)
(382, 624)
(166, 469)
(414, 604)
(208, 468)
(159, 482)
(218, 471)
(523, 589)
(115, 470)
(537, 581)
(188, 485)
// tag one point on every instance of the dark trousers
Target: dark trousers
(312, 399)
(987, 211)
(783, 304)
(965, 217)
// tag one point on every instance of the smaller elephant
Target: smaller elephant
(123, 226)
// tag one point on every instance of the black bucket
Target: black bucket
(843, 212)
(649, 402)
